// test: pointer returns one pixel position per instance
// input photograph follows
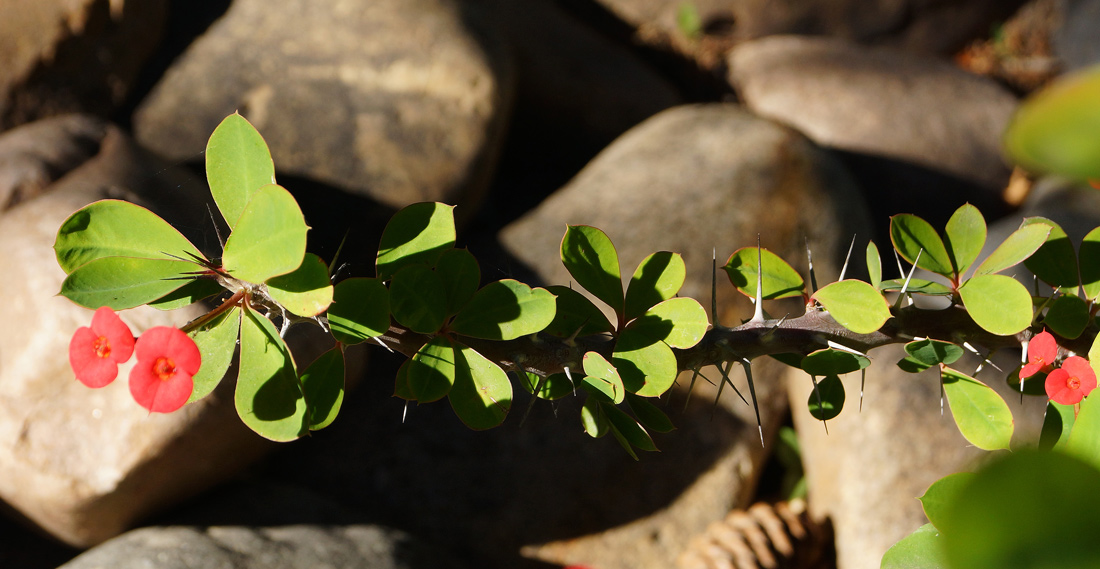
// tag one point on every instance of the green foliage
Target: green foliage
(997, 303)
(982, 416)
(831, 361)
(856, 305)
(269, 396)
(238, 163)
(306, 291)
(922, 549)
(913, 237)
(505, 310)
(1055, 263)
(827, 399)
(212, 339)
(360, 310)
(482, 395)
(323, 386)
(657, 279)
(590, 258)
(779, 279)
(1055, 129)
(124, 282)
(269, 238)
(417, 235)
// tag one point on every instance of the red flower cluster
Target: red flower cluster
(1068, 384)
(167, 359)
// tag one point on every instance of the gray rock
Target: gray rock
(396, 100)
(282, 547)
(66, 56)
(691, 179)
(33, 156)
(935, 26)
(85, 464)
(880, 103)
(1077, 39)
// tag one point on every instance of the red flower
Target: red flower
(1070, 384)
(161, 379)
(96, 351)
(1041, 351)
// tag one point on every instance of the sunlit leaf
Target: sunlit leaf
(269, 397)
(602, 376)
(269, 239)
(830, 361)
(779, 279)
(934, 352)
(911, 236)
(1055, 263)
(217, 342)
(1057, 426)
(1054, 131)
(922, 549)
(678, 322)
(431, 372)
(124, 282)
(917, 286)
(417, 234)
(658, 278)
(997, 303)
(1089, 260)
(980, 413)
(238, 163)
(505, 310)
(188, 294)
(874, 265)
(1020, 245)
(590, 258)
(306, 291)
(576, 315)
(964, 237)
(855, 305)
(1084, 440)
(360, 310)
(482, 394)
(593, 418)
(647, 367)
(323, 385)
(113, 228)
(942, 494)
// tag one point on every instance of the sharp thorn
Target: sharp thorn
(862, 381)
(844, 269)
(714, 286)
(569, 375)
(691, 386)
(745, 363)
(383, 344)
(758, 315)
(810, 264)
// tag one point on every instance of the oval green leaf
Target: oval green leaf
(855, 305)
(628, 428)
(922, 549)
(980, 413)
(827, 399)
(418, 299)
(269, 397)
(779, 279)
(1067, 316)
(188, 294)
(941, 496)
(125, 282)
(831, 361)
(917, 286)
(553, 386)
(593, 419)
(1054, 131)
(997, 303)
(461, 276)
(482, 394)
(934, 352)
(678, 322)
(238, 163)
(658, 277)
(964, 237)
(305, 291)
(360, 310)
(576, 315)
(1055, 263)
(418, 234)
(1084, 439)
(874, 265)
(431, 372)
(269, 239)
(217, 341)
(1023, 243)
(323, 385)
(590, 258)
(647, 367)
(651, 417)
(603, 377)
(1089, 260)
(911, 236)
(1057, 426)
(113, 228)
(505, 310)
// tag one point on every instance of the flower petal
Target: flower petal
(1041, 352)
(1082, 369)
(107, 324)
(1058, 390)
(156, 394)
(88, 367)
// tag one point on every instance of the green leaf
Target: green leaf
(576, 315)
(964, 237)
(779, 279)
(827, 399)
(418, 234)
(1089, 260)
(649, 415)
(911, 235)
(1027, 509)
(237, 164)
(1054, 131)
(269, 239)
(113, 228)
(980, 413)
(306, 291)
(323, 385)
(942, 494)
(602, 376)
(1067, 316)
(658, 278)
(647, 367)
(874, 265)
(1023, 242)
(626, 426)
(1057, 426)
(188, 294)
(360, 310)
(922, 549)
(505, 310)
(1033, 385)
(910, 364)
(1084, 439)
(269, 397)
(418, 299)
(593, 418)
(217, 341)
(554, 386)
(590, 258)
(855, 305)
(124, 282)
(830, 361)
(432, 370)
(997, 303)
(401, 387)
(917, 286)
(934, 352)
(678, 322)
(1055, 263)
(461, 276)
(482, 394)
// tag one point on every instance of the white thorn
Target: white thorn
(383, 344)
(758, 316)
(569, 375)
(848, 257)
(844, 348)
